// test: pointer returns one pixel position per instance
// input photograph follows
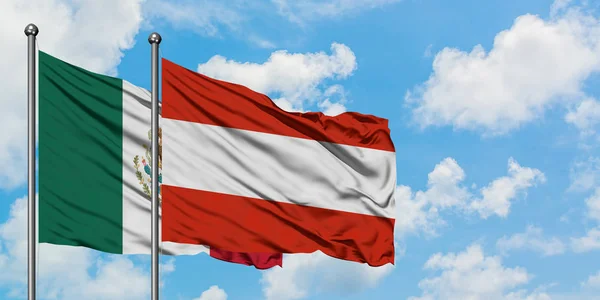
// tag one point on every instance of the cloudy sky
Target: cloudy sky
(494, 110)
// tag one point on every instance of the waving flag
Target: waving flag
(95, 166)
(243, 175)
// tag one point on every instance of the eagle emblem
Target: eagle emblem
(145, 174)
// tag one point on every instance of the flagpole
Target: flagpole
(154, 39)
(31, 32)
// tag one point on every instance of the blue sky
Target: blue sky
(493, 111)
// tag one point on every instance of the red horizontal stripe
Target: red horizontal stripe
(190, 96)
(260, 261)
(244, 224)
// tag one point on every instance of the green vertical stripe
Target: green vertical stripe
(80, 150)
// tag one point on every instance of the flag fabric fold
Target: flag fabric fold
(95, 166)
(242, 174)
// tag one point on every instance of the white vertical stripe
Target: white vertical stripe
(136, 204)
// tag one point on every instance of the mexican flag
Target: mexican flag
(95, 165)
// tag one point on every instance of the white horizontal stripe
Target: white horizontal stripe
(280, 168)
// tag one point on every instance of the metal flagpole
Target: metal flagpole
(154, 40)
(31, 32)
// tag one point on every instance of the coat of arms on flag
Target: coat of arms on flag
(145, 175)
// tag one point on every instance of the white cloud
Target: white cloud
(286, 105)
(415, 214)
(585, 117)
(168, 267)
(472, 275)
(524, 295)
(117, 279)
(332, 106)
(164, 269)
(302, 11)
(297, 78)
(559, 6)
(202, 16)
(215, 19)
(213, 293)
(534, 65)
(593, 282)
(420, 211)
(589, 242)
(428, 50)
(497, 195)
(443, 183)
(532, 239)
(585, 175)
(304, 274)
(593, 205)
(331, 109)
(261, 42)
(66, 272)
(71, 30)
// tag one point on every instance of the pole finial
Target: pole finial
(31, 29)
(154, 38)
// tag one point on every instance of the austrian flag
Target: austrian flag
(242, 175)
